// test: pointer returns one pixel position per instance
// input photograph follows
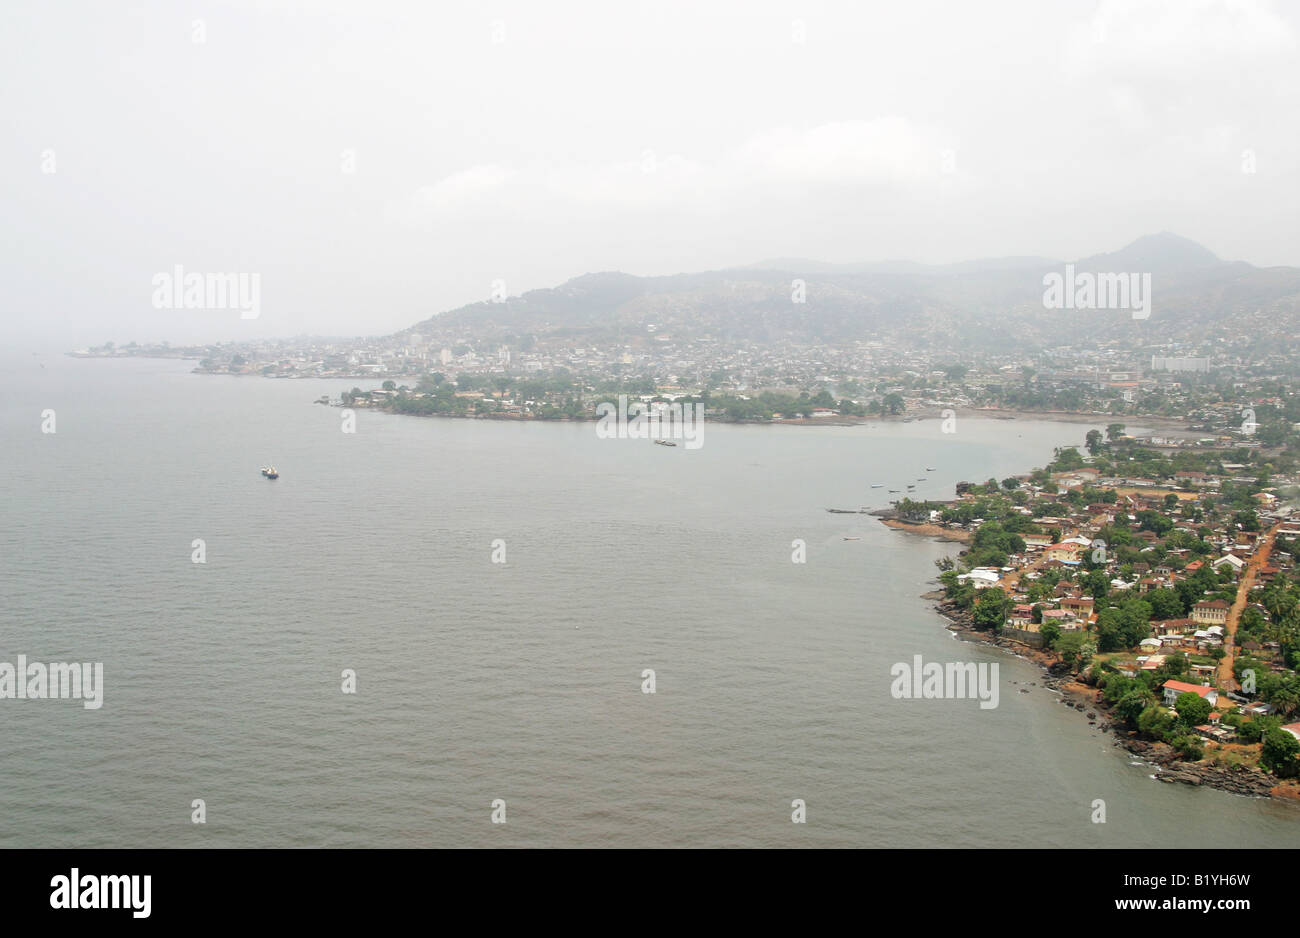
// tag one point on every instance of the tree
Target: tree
(1193, 709)
(1050, 632)
(1067, 459)
(1070, 647)
(389, 385)
(1093, 442)
(1114, 431)
(1133, 704)
(1109, 637)
(1165, 604)
(1279, 753)
(1175, 665)
(1189, 747)
(1097, 583)
(1155, 721)
(1286, 696)
(991, 609)
(1253, 731)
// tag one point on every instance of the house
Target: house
(1231, 560)
(1164, 627)
(1080, 606)
(1065, 552)
(1211, 613)
(1173, 688)
(981, 577)
(1021, 615)
(1213, 729)
(1062, 618)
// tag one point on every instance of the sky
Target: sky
(373, 163)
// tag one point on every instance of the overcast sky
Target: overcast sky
(378, 162)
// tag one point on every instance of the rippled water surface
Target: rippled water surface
(519, 681)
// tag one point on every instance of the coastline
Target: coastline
(929, 412)
(928, 530)
(1169, 765)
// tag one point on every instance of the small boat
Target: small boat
(847, 538)
(929, 469)
(665, 443)
(876, 485)
(893, 491)
(270, 472)
(842, 511)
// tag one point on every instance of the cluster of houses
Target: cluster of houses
(1199, 635)
(1214, 728)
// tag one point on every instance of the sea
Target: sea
(551, 639)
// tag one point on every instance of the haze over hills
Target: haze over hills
(969, 304)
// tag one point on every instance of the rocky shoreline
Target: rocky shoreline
(1169, 765)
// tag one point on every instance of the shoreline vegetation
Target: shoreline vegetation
(1111, 595)
(487, 399)
(1151, 422)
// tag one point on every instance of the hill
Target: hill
(973, 304)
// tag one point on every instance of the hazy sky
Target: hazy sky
(378, 162)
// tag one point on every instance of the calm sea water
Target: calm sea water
(519, 681)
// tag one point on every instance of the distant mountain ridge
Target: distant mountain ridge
(990, 300)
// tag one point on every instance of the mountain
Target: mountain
(966, 305)
(1162, 253)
